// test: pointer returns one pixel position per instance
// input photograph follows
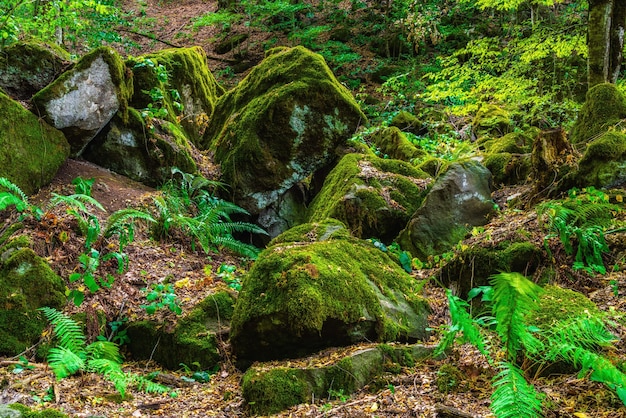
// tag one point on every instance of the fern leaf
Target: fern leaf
(14, 189)
(68, 332)
(463, 322)
(119, 220)
(78, 201)
(112, 370)
(104, 350)
(514, 297)
(64, 362)
(148, 386)
(514, 397)
(9, 199)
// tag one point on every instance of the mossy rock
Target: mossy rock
(375, 197)
(314, 232)
(513, 143)
(31, 151)
(83, 99)
(408, 122)
(269, 390)
(433, 166)
(604, 107)
(193, 340)
(281, 124)
(459, 200)
(230, 42)
(27, 67)
(299, 297)
(142, 154)
(474, 266)
(603, 163)
(188, 74)
(508, 169)
(492, 121)
(393, 143)
(22, 411)
(26, 284)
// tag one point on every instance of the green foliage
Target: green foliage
(14, 196)
(225, 18)
(275, 15)
(161, 295)
(73, 355)
(157, 109)
(582, 217)
(186, 205)
(226, 272)
(513, 300)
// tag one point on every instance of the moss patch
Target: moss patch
(508, 169)
(374, 197)
(26, 412)
(393, 143)
(604, 162)
(604, 107)
(492, 121)
(26, 284)
(31, 151)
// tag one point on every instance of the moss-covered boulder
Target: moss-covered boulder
(375, 197)
(269, 390)
(82, 100)
(26, 284)
(492, 121)
(192, 340)
(408, 122)
(508, 169)
(188, 89)
(278, 127)
(513, 142)
(17, 410)
(474, 265)
(459, 199)
(31, 151)
(603, 163)
(604, 107)
(305, 295)
(27, 67)
(393, 143)
(140, 153)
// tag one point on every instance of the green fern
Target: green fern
(122, 223)
(513, 396)
(73, 355)
(14, 196)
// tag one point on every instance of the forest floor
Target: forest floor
(413, 392)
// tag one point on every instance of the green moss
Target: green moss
(604, 162)
(314, 231)
(374, 197)
(491, 120)
(604, 107)
(193, 339)
(188, 74)
(449, 379)
(393, 143)
(508, 169)
(29, 413)
(280, 124)
(514, 143)
(406, 122)
(271, 392)
(433, 166)
(557, 305)
(31, 151)
(26, 284)
(473, 266)
(299, 290)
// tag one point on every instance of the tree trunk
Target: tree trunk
(605, 40)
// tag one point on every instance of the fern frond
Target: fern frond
(514, 397)
(246, 250)
(14, 189)
(9, 199)
(121, 219)
(104, 350)
(68, 332)
(463, 322)
(64, 362)
(148, 386)
(514, 297)
(112, 370)
(78, 201)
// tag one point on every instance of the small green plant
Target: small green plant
(338, 394)
(73, 355)
(14, 196)
(404, 257)
(226, 272)
(22, 366)
(161, 295)
(580, 221)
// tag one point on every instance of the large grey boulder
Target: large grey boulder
(27, 67)
(315, 287)
(83, 100)
(459, 200)
(278, 127)
(31, 151)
